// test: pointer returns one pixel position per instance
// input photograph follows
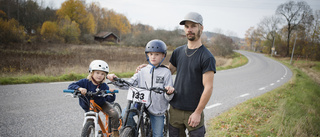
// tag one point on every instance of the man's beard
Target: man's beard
(194, 36)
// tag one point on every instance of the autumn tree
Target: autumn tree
(249, 37)
(253, 39)
(76, 11)
(11, 31)
(96, 11)
(50, 31)
(69, 30)
(115, 22)
(124, 25)
(294, 14)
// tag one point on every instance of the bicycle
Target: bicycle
(92, 118)
(139, 96)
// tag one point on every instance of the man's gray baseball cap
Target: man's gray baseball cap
(193, 17)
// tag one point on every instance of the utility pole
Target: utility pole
(294, 45)
(273, 48)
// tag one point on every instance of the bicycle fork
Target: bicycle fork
(94, 116)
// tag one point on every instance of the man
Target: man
(195, 67)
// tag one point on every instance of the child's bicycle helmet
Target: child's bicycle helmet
(156, 46)
(99, 65)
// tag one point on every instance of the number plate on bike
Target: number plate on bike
(138, 95)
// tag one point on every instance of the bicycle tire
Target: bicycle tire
(127, 132)
(88, 129)
(147, 127)
(117, 108)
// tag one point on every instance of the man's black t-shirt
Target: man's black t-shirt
(191, 64)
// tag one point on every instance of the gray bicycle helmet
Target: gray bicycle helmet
(156, 46)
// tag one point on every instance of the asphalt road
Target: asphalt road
(42, 109)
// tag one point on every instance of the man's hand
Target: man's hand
(140, 67)
(194, 119)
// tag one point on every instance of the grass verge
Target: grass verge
(290, 110)
(37, 78)
(238, 60)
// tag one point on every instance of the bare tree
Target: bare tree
(253, 38)
(294, 14)
(223, 45)
(268, 28)
(312, 46)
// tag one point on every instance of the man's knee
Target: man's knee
(200, 132)
(176, 132)
(173, 132)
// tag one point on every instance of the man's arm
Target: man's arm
(172, 68)
(207, 81)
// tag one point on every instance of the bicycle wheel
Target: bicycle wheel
(117, 108)
(127, 132)
(88, 129)
(147, 127)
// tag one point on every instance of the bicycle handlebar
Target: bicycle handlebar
(90, 92)
(155, 89)
(158, 90)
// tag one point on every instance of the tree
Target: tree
(294, 14)
(124, 25)
(11, 31)
(69, 30)
(312, 37)
(3, 15)
(76, 11)
(50, 31)
(253, 39)
(268, 28)
(96, 11)
(30, 16)
(249, 37)
(223, 45)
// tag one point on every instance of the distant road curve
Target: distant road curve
(42, 109)
(231, 87)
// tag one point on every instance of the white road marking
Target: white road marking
(214, 105)
(271, 84)
(263, 88)
(247, 94)
(278, 80)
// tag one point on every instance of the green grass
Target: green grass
(37, 78)
(237, 61)
(290, 110)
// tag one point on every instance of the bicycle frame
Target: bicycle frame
(140, 121)
(140, 96)
(93, 115)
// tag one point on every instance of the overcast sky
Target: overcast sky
(230, 17)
